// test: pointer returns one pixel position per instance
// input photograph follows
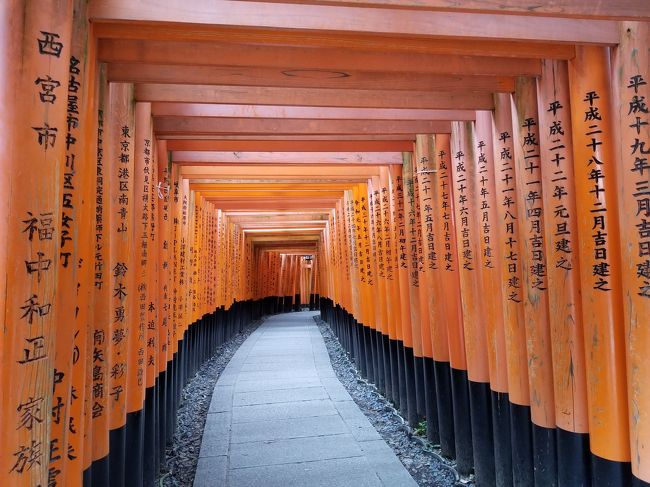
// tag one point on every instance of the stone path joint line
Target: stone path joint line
(279, 417)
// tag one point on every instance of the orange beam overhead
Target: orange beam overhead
(620, 9)
(373, 158)
(215, 125)
(314, 60)
(281, 112)
(254, 76)
(294, 138)
(368, 20)
(291, 145)
(257, 95)
(383, 44)
(279, 171)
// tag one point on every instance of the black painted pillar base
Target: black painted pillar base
(462, 426)
(411, 396)
(394, 372)
(444, 399)
(544, 456)
(368, 350)
(420, 394)
(403, 397)
(99, 473)
(573, 459)
(522, 445)
(433, 434)
(482, 443)
(501, 435)
(117, 456)
(388, 379)
(607, 473)
(636, 482)
(151, 437)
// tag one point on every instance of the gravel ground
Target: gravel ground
(421, 459)
(183, 455)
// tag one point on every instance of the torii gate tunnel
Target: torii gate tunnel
(461, 188)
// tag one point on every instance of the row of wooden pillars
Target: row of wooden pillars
(496, 284)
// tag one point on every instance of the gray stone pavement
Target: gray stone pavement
(280, 417)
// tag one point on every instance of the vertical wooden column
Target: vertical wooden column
(490, 279)
(424, 388)
(73, 260)
(166, 301)
(452, 308)
(382, 299)
(511, 287)
(364, 315)
(631, 78)
(423, 165)
(84, 50)
(138, 345)
(9, 56)
(120, 164)
(465, 205)
(352, 262)
(408, 400)
(413, 275)
(430, 222)
(101, 315)
(596, 158)
(377, 301)
(531, 234)
(565, 307)
(39, 40)
(393, 308)
(154, 384)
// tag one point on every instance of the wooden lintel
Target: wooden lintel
(275, 157)
(293, 59)
(359, 80)
(386, 21)
(321, 97)
(581, 9)
(291, 145)
(281, 112)
(279, 171)
(209, 125)
(338, 40)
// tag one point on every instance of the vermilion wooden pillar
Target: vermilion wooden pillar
(563, 269)
(392, 283)
(408, 401)
(431, 223)
(597, 201)
(453, 314)
(409, 245)
(37, 37)
(491, 262)
(511, 287)
(466, 210)
(631, 78)
(428, 260)
(101, 296)
(70, 391)
(527, 160)
(121, 270)
(381, 299)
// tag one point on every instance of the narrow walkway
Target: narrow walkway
(280, 417)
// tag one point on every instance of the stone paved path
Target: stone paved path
(279, 417)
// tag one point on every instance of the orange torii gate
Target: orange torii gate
(471, 218)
